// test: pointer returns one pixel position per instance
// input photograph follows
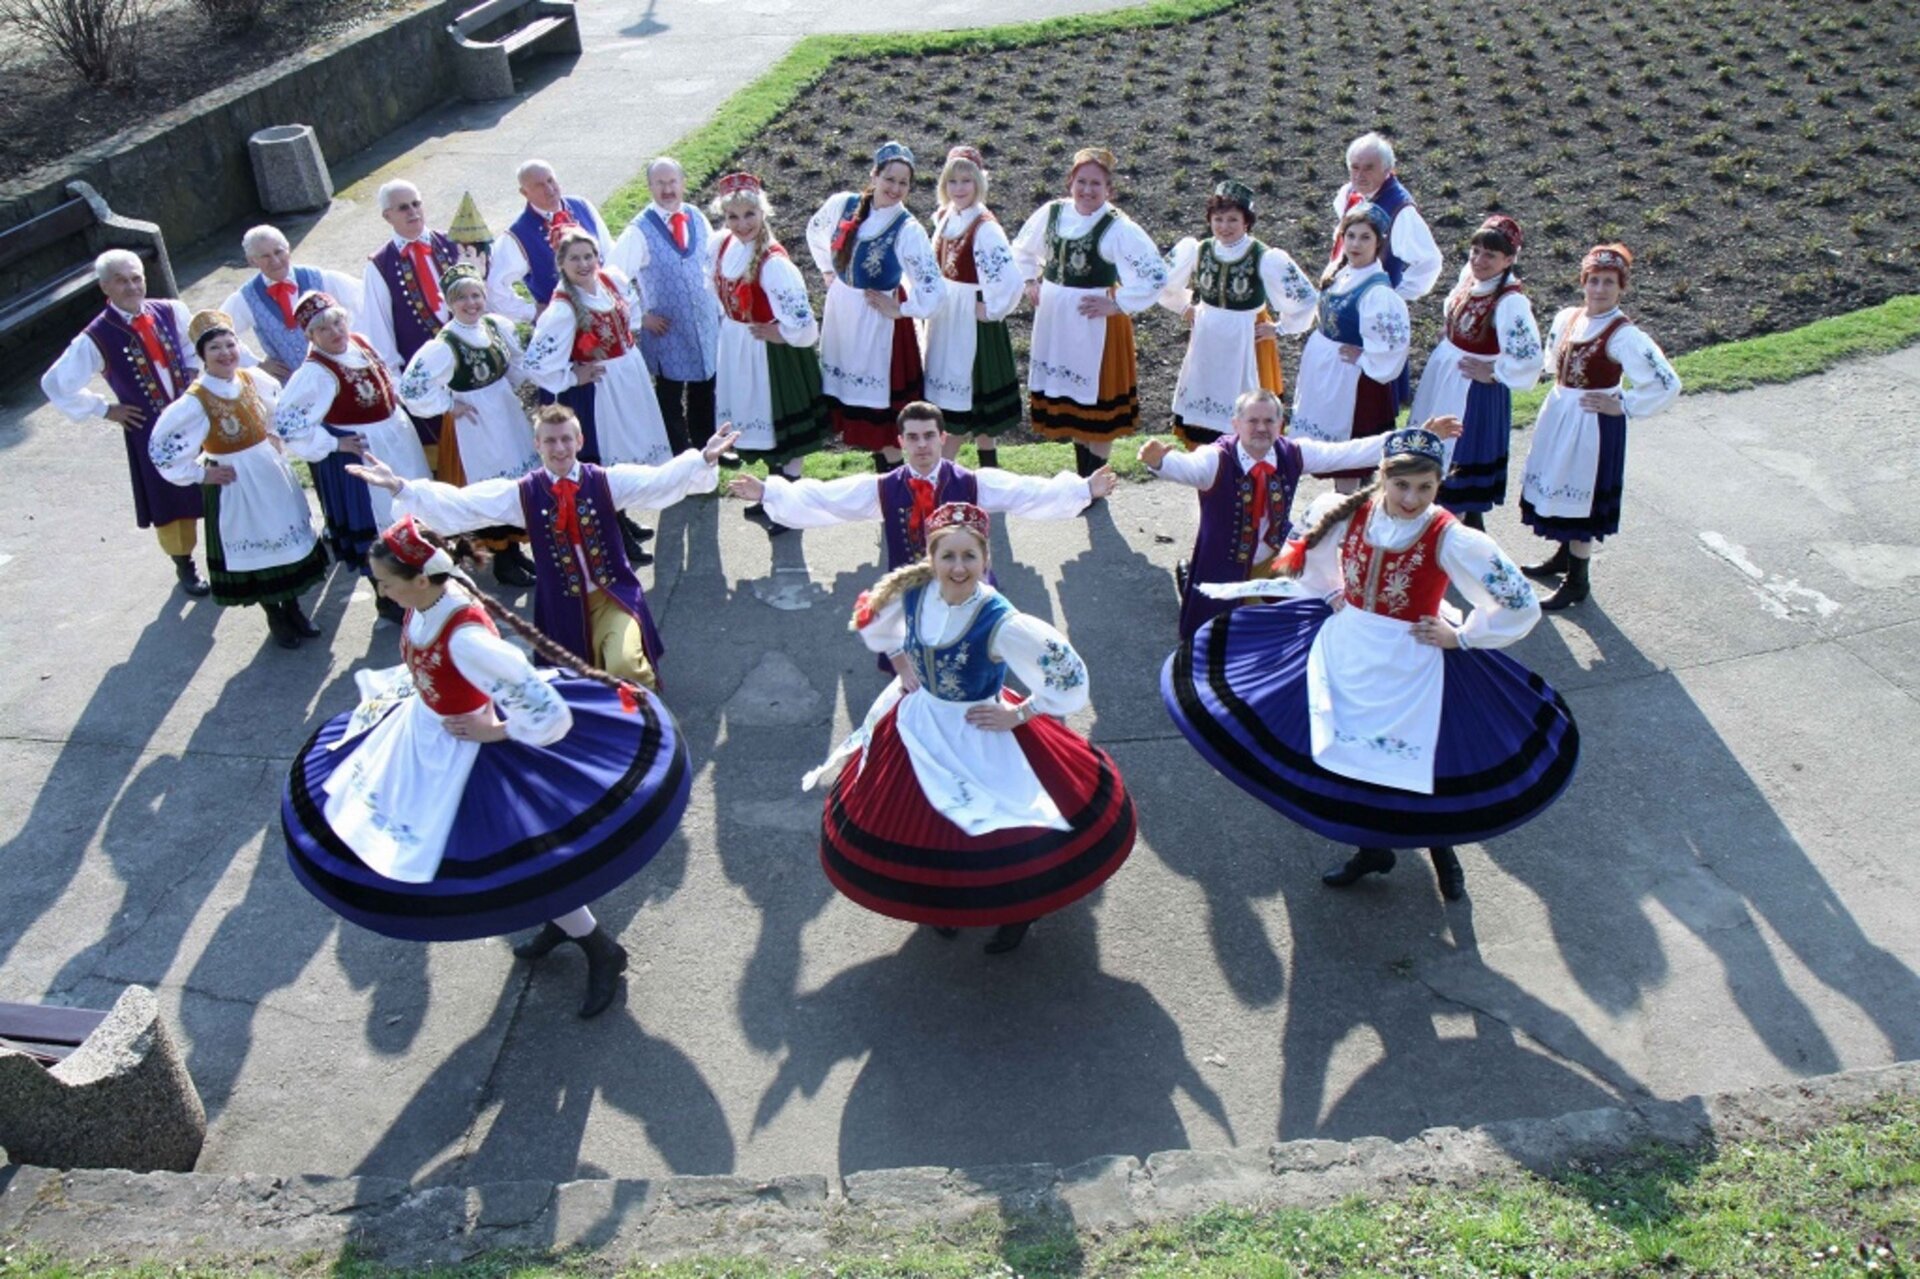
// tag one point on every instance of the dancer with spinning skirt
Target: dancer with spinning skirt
(1375, 717)
(960, 804)
(471, 795)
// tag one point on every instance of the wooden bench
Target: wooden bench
(489, 36)
(69, 237)
(43, 1033)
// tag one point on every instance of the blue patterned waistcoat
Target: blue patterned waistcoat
(287, 345)
(674, 284)
(962, 671)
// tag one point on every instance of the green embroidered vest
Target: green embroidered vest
(477, 366)
(1229, 286)
(1077, 264)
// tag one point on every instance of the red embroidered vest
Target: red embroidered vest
(439, 682)
(1407, 585)
(1586, 366)
(361, 396)
(744, 301)
(1470, 320)
(956, 256)
(608, 335)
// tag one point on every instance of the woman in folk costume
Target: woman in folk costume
(1364, 709)
(1237, 294)
(960, 804)
(1359, 347)
(1605, 370)
(583, 355)
(881, 277)
(1089, 270)
(767, 375)
(970, 370)
(470, 370)
(219, 436)
(471, 795)
(1491, 349)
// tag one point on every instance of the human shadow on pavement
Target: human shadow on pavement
(973, 1060)
(1672, 820)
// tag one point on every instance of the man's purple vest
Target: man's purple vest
(543, 274)
(951, 483)
(1224, 549)
(560, 584)
(413, 325)
(133, 381)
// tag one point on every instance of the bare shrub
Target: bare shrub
(99, 39)
(231, 15)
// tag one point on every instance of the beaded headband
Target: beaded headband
(460, 273)
(409, 545)
(1238, 192)
(311, 306)
(968, 153)
(891, 151)
(735, 183)
(1415, 441)
(1506, 226)
(1607, 257)
(962, 515)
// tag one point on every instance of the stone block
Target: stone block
(289, 170)
(122, 1100)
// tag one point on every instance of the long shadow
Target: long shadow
(977, 1060)
(128, 706)
(1671, 818)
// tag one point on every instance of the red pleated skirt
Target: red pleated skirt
(876, 429)
(885, 847)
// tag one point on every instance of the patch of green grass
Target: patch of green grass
(745, 115)
(1844, 1202)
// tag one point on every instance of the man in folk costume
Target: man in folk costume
(664, 251)
(586, 595)
(524, 255)
(400, 294)
(1408, 253)
(262, 308)
(140, 347)
(1246, 482)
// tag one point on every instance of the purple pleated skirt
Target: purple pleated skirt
(1478, 481)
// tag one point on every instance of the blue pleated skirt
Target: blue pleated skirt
(346, 506)
(1238, 690)
(540, 830)
(1609, 480)
(1478, 480)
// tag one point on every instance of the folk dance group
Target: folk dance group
(474, 793)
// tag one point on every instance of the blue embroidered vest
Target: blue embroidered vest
(543, 275)
(287, 345)
(1339, 313)
(961, 671)
(875, 264)
(951, 483)
(1393, 198)
(674, 284)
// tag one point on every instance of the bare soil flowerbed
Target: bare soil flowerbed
(47, 112)
(1761, 157)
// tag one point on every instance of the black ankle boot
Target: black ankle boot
(1365, 861)
(302, 624)
(279, 627)
(1553, 566)
(1085, 462)
(541, 943)
(635, 538)
(1446, 868)
(1182, 579)
(989, 457)
(945, 934)
(757, 514)
(880, 464)
(606, 960)
(1576, 586)
(511, 567)
(191, 583)
(1476, 520)
(1007, 937)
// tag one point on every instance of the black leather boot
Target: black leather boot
(989, 457)
(1575, 587)
(636, 539)
(1007, 937)
(1476, 520)
(541, 943)
(944, 933)
(302, 624)
(1365, 861)
(880, 464)
(1085, 461)
(1553, 566)
(511, 567)
(757, 514)
(606, 960)
(1446, 868)
(279, 627)
(191, 583)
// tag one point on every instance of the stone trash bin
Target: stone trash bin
(289, 170)
(123, 1099)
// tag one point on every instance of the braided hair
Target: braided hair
(849, 231)
(1391, 468)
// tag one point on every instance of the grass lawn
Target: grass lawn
(1845, 1202)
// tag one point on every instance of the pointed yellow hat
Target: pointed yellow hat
(468, 226)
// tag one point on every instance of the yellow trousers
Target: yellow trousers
(178, 537)
(614, 636)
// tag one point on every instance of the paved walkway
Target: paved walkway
(1724, 897)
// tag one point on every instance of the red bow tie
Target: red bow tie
(428, 274)
(283, 294)
(1261, 473)
(679, 223)
(569, 512)
(150, 338)
(922, 508)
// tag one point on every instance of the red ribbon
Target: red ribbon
(922, 507)
(423, 268)
(150, 338)
(1261, 473)
(283, 294)
(1340, 240)
(563, 491)
(679, 223)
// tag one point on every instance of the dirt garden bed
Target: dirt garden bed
(47, 111)
(1761, 158)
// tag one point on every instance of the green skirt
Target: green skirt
(996, 385)
(799, 411)
(234, 588)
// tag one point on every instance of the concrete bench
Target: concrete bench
(489, 36)
(52, 257)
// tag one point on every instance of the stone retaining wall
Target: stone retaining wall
(170, 1217)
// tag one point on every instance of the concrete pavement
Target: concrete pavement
(1723, 898)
